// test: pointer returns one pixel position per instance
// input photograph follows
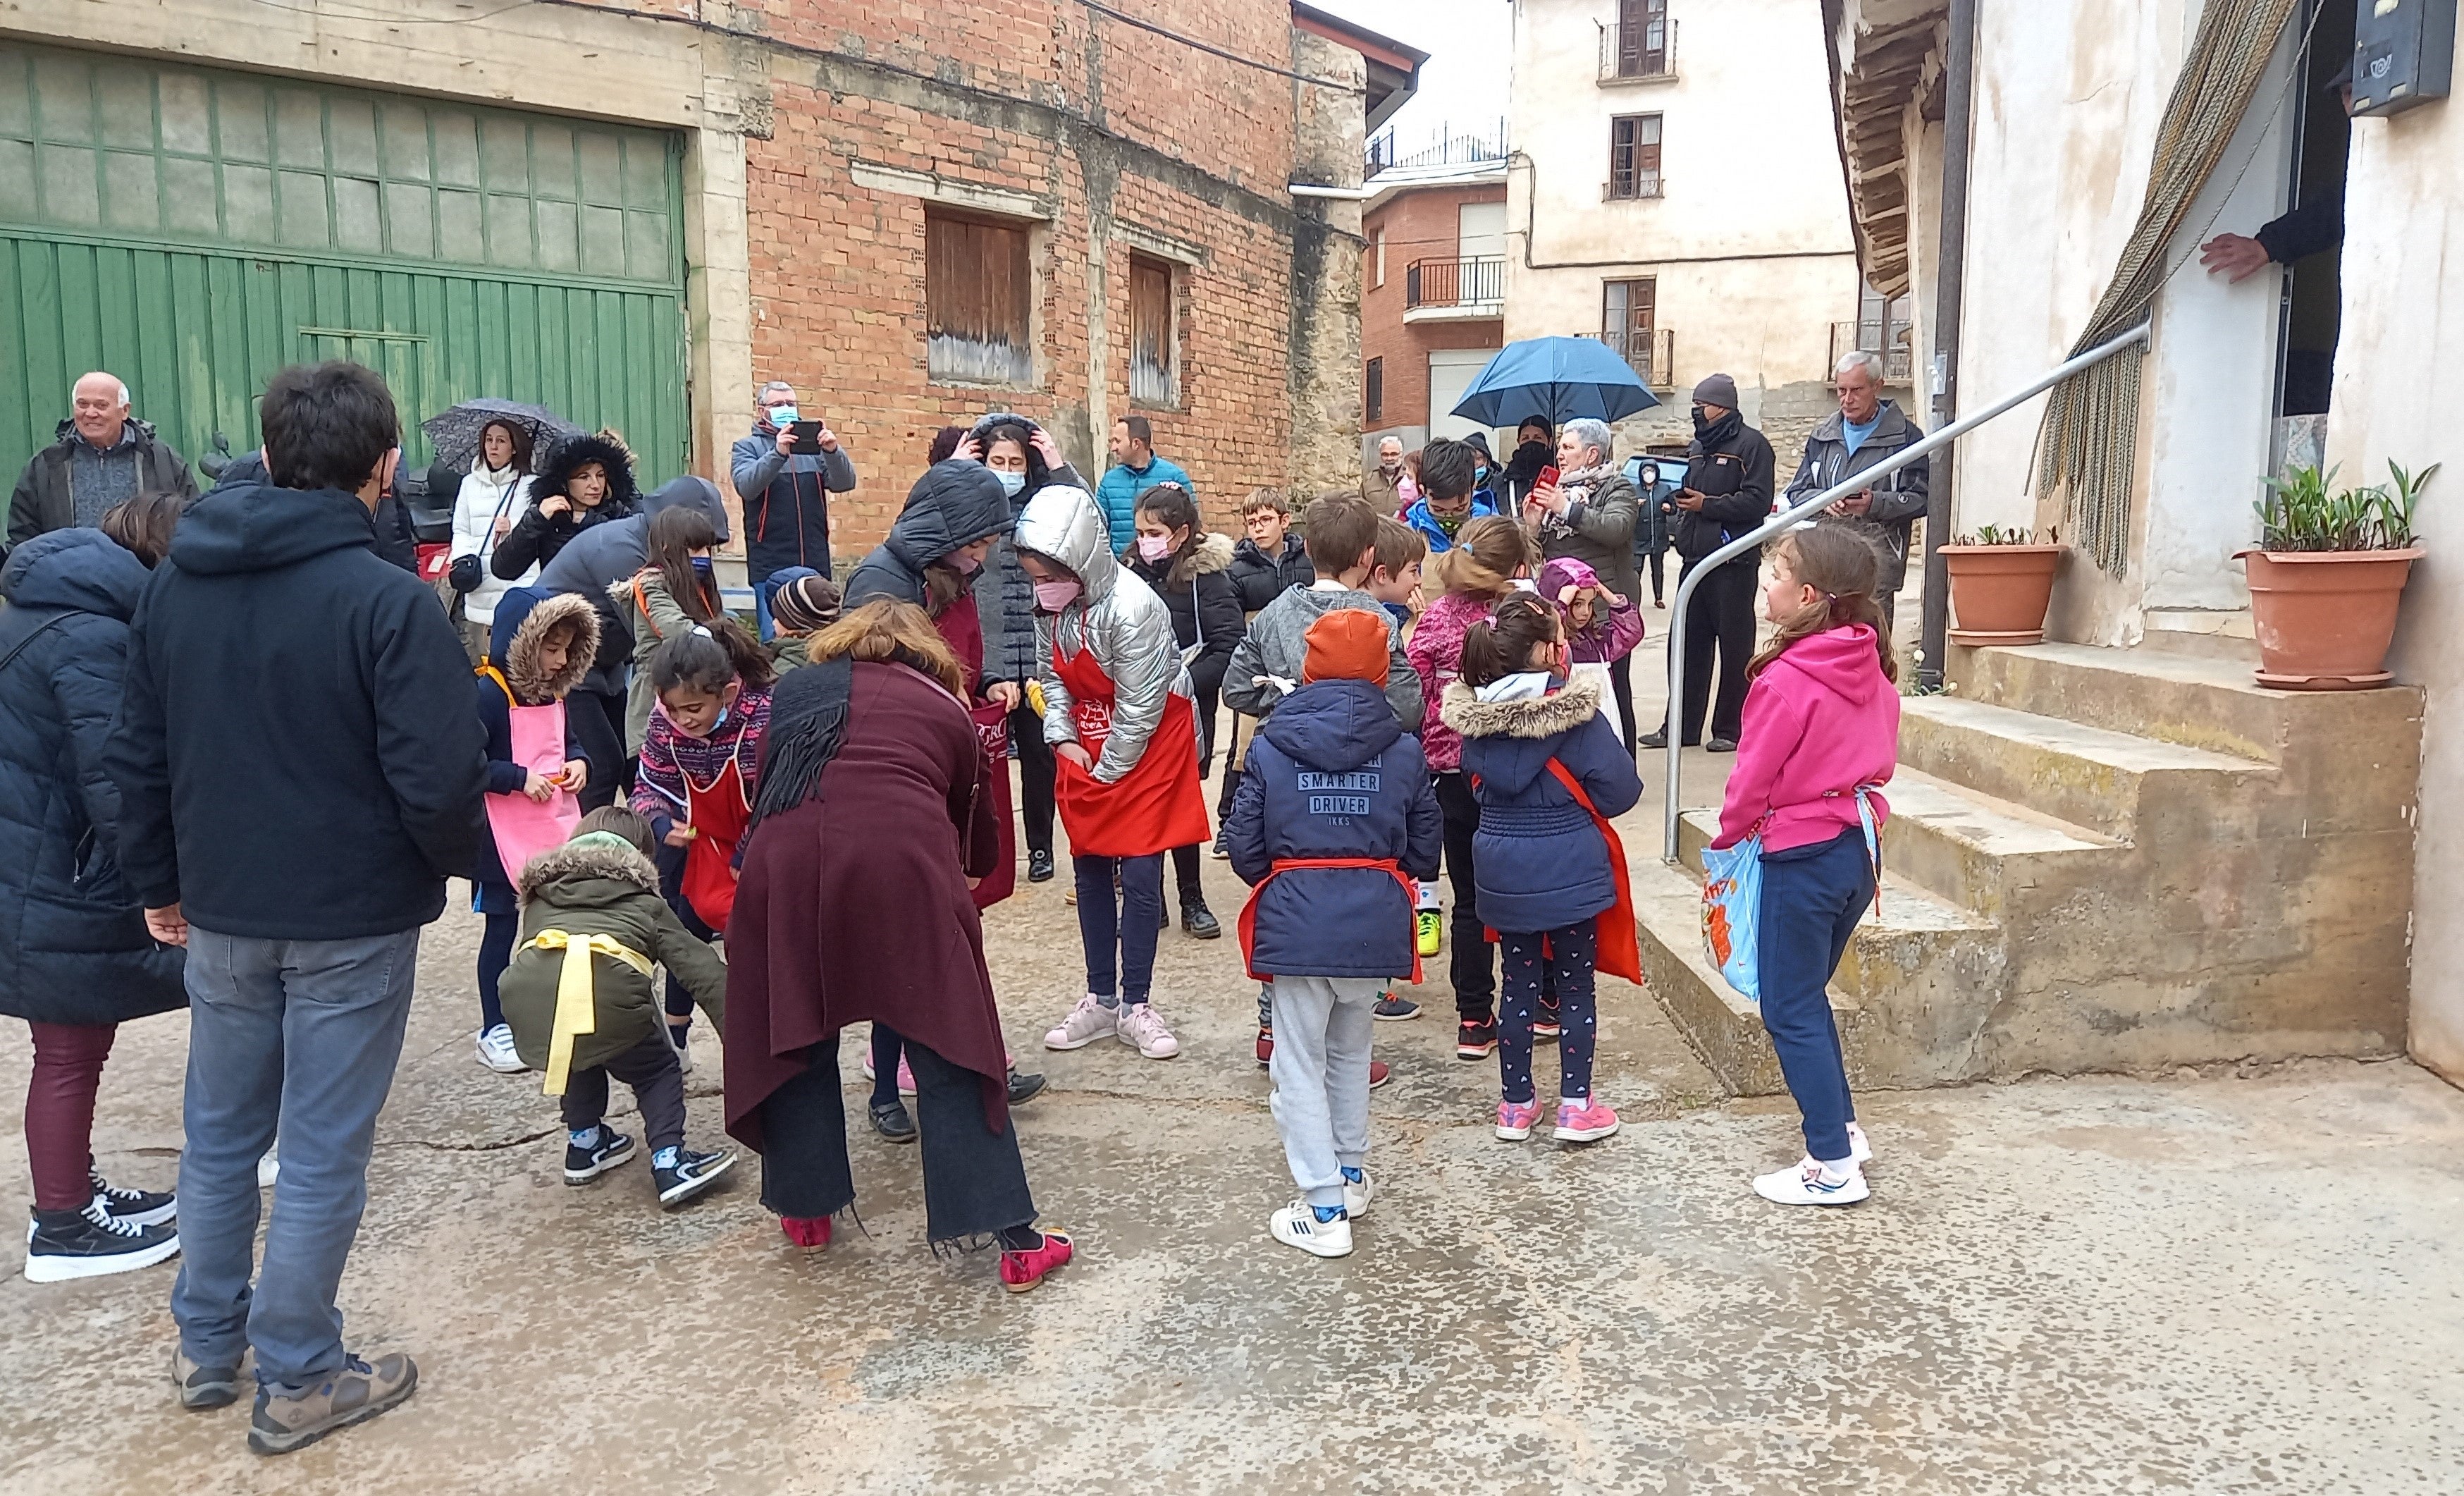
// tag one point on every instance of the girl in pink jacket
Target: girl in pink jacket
(1821, 735)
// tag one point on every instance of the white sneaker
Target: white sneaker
(1142, 1028)
(267, 1170)
(1858, 1150)
(1810, 1183)
(1298, 1225)
(1356, 1196)
(1090, 1020)
(495, 1046)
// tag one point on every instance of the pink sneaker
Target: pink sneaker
(1586, 1121)
(1515, 1119)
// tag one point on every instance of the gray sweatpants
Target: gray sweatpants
(1321, 1073)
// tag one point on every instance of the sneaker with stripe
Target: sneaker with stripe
(1811, 1183)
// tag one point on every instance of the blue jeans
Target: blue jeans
(1124, 925)
(299, 1036)
(1812, 897)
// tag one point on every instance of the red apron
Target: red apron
(717, 813)
(1157, 805)
(1621, 945)
(992, 731)
(1248, 923)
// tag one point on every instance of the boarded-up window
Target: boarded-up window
(1375, 395)
(977, 296)
(1154, 362)
(1634, 156)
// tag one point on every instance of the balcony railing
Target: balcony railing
(1891, 342)
(1638, 54)
(1447, 145)
(1652, 351)
(1478, 280)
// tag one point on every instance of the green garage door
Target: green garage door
(194, 231)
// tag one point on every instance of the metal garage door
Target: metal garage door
(193, 232)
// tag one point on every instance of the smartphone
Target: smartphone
(809, 438)
(1547, 477)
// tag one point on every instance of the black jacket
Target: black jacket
(1005, 605)
(954, 503)
(395, 539)
(1259, 579)
(1733, 465)
(42, 502)
(1196, 589)
(72, 941)
(536, 538)
(296, 753)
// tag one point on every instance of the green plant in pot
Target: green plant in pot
(2001, 583)
(2327, 575)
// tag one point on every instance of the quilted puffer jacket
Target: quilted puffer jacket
(72, 941)
(1116, 615)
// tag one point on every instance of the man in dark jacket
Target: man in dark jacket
(1728, 477)
(785, 493)
(395, 540)
(299, 771)
(1866, 430)
(102, 454)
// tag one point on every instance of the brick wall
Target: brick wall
(1421, 224)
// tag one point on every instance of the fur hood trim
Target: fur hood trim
(597, 860)
(576, 452)
(1463, 710)
(531, 688)
(1212, 553)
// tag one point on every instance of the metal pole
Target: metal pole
(1788, 518)
(1951, 288)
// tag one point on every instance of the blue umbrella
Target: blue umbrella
(1557, 379)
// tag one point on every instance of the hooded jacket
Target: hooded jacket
(1435, 648)
(787, 501)
(1277, 645)
(1331, 774)
(1259, 579)
(73, 942)
(1006, 605)
(603, 554)
(1820, 721)
(1614, 631)
(537, 537)
(1733, 463)
(1116, 615)
(524, 615)
(44, 499)
(1424, 521)
(1597, 530)
(395, 539)
(954, 503)
(595, 889)
(296, 753)
(1898, 505)
(1197, 590)
(1538, 862)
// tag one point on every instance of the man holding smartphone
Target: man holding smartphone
(785, 472)
(1866, 430)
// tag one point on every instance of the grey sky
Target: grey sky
(1462, 87)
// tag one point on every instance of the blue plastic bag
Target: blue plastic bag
(1733, 898)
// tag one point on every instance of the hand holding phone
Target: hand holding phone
(808, 438)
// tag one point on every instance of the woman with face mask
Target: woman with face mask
(1535, 446)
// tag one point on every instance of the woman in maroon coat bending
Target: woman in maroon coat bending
(874, 823)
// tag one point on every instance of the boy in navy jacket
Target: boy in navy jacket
(1331, 823)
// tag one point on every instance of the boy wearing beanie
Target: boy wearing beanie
(1333, 820)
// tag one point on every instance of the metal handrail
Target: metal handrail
(1788, 518)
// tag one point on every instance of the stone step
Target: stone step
(2110, 783)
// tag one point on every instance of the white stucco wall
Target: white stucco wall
(2400, 394)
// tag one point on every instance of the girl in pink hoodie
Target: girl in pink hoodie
(1821, 733)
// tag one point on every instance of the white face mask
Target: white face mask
(1011, 482)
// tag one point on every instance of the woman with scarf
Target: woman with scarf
(1589, 514)
(871, 826)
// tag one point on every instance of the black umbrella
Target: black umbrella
(454, 432)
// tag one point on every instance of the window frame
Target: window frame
(1372, 400)
(1026, 361)
(1641, 180)
(1636, 19)
(1149, 265)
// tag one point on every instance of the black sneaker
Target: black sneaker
(693, 1174)
(136, 1207)
(581, 1165)
(203, 1387)
(1474, 1039)
(92, 1242)
(1198, 919)
(1657, 739)
(891, 1120)
(1024, 1087)
(1720, 745)
(1038, 867)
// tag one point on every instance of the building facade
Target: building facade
(1433, 296)
(636, 217)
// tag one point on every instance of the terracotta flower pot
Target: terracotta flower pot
(2324, 618)
(1999, 593)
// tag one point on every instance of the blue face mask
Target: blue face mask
(1480, 475)
(1011, 482)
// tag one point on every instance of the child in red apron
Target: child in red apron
(700, 761)
(1123, 726)
(539, 648)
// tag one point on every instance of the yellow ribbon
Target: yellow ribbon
(577, 1009)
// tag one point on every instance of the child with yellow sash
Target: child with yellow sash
(582, 1005)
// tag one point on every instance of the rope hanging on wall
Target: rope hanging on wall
(2091, 430)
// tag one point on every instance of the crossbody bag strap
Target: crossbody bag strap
(11, 658)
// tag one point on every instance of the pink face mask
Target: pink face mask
(1154, 547)
(1054, 596)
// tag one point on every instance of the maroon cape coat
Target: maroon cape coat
(854, 906)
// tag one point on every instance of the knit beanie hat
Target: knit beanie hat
(1346, 644)
(805, 603)
(1717, 389)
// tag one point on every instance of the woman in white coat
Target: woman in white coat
(491, 498)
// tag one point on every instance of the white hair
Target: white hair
(1861, 358)
(1591, 433)
(98, 373)
(1383, 440)
(777, 383)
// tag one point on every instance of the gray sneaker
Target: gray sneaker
(352, 1393)
(203, 1387)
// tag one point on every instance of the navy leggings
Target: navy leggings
(1812, 897)
(1573, 953)
(495, 954)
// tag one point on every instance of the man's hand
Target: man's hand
(2236, 256)
(577, 774)
(787, 439)
(1043, 443)
(828, 438)
(1004, 693)
(168, 925)
(1075, 753)
(1688, 500)
(1857, 503)
(537, 786)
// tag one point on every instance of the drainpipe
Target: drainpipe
(1951, 272)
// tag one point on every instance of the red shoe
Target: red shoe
(812, 1233)
(1265, 1047)
(1378, 1074)
(1021, 1271)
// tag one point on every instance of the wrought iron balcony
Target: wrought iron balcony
(1457, 282)
(1638, 54)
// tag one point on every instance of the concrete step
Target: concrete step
(2110, 783)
